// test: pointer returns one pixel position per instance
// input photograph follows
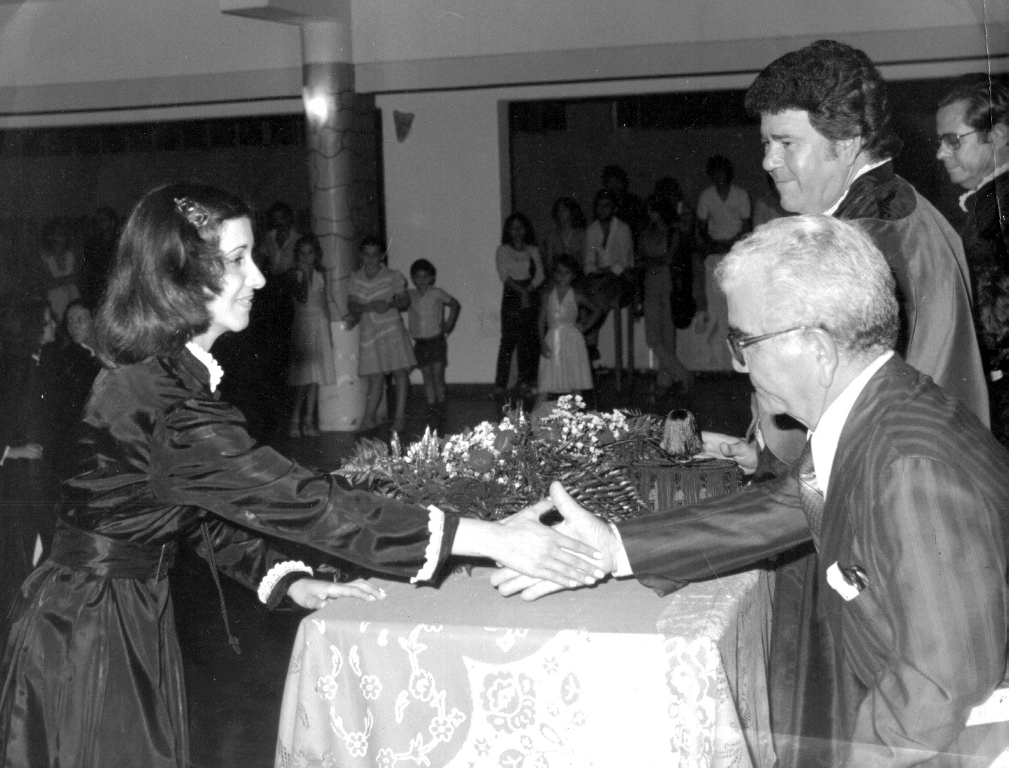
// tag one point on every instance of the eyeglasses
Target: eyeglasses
(952, 140)
(739, 341)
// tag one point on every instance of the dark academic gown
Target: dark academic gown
(91, 672)
(985, 233)
(985, 229)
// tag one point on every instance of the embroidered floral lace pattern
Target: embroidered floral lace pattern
(391, 692)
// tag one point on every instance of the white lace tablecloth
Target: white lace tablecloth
(611, 676)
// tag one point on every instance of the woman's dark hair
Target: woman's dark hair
(423, 265)
(313, 241)
(838, 86)
(521, 218)
(22, 320)
(167, 266)
(985, 97)
(663, 206)
(577, 214)
(569, 262)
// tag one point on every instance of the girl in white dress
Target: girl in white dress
(311, 343)
(564, 358)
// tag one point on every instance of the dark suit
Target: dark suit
(916, 499)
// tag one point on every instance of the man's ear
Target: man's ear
(848, 149)
(825, 356)
(999, 135)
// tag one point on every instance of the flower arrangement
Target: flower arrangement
(494, 470)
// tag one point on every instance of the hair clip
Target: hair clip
(194, 213)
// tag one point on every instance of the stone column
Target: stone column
(330, 119)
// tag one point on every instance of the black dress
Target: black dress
(91, 672)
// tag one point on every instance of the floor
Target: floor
(234, 701)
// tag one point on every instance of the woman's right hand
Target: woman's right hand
(314, 594)
(31, 451)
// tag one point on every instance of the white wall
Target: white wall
(443, 188)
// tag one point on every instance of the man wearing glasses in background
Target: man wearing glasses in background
(972, 126)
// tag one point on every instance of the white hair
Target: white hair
(818, 271)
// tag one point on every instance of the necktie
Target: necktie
(810, 495)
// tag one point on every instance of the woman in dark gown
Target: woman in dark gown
(91, 672)
(28, 489)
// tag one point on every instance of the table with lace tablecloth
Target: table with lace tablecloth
(458, 676)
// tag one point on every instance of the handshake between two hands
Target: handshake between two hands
(577, 552)
(591, 533)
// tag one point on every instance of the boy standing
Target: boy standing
(430, 329)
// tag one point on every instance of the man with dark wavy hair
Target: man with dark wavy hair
(829, 144)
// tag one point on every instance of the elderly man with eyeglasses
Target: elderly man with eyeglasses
(900, 488)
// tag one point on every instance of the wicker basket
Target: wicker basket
(664, 485)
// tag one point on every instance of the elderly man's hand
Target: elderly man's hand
(577, 524)
(720, 446)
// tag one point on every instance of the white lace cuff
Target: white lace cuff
(276, 573)
(436, 525)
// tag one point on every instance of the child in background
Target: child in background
(430, 329)
(564, 358)
(311, 345)
(377, 295)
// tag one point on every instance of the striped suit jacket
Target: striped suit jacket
(917, 499)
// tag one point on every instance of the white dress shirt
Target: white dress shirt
(828, 431)
(618, 252)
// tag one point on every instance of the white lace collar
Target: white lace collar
(215, 370)
(997, 172)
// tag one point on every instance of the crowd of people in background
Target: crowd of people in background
(653, 255)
